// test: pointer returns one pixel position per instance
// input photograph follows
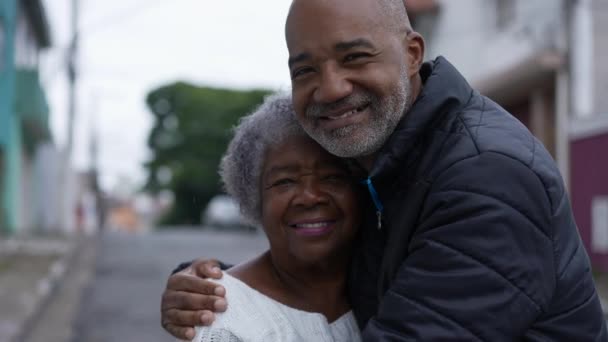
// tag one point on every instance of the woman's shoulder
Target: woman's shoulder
(249, 315)
(253, 316)
(244, 301)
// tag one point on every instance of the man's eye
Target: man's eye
(355, 56)
(300, 72)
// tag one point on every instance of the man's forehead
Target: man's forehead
(313, 15)
(319, 17)
(334, 29)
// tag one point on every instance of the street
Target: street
(112, 290)
(122, 301)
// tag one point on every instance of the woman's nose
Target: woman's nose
(310, 194)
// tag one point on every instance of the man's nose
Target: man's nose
(333, 86)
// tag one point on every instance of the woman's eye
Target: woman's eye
(282, 181)
(336, 178)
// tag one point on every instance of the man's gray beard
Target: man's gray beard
(361, 140)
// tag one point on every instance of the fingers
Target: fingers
(181, 323)
(191, 301)
(190, 283)
(207, 268)
(182, 318)
(182, 333)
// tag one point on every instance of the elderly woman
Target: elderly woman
(305, 200)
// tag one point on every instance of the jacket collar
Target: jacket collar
(444, 91)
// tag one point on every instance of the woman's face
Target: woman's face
(309, 202)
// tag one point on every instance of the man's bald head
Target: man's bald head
(396, 16)
(390, 15)
(354, 68)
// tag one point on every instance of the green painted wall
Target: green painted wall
(8, 14)
(8, 120)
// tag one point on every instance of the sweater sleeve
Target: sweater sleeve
(480, 264)
(210, 334)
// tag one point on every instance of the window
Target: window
(505, 13)
(599, 224)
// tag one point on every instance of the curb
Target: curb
(48, 286)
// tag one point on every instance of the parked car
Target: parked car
(223, 212)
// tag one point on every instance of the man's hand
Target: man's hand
(190, 300)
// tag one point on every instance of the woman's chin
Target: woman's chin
(322, 253)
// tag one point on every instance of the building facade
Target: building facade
(24, 113)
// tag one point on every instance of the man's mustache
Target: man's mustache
(317, 110)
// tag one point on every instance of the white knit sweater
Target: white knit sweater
(252, 316)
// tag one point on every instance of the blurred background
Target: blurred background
(114, 115)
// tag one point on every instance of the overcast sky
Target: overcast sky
(129, 47)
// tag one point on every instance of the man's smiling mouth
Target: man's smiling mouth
(346, 114)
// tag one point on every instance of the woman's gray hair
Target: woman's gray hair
(241, 166)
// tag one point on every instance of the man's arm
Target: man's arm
(190, 300)
(480, 266)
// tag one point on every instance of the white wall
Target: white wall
(600, 52)
(468, 35)
(47, 203)
(582, 59)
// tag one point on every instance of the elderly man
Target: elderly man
(470, 235)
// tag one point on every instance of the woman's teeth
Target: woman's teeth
(312, 225)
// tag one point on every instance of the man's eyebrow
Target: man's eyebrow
(359, 42)
(298, 58)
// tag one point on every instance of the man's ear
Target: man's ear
(415, 48)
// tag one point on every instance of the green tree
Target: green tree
(191, 131)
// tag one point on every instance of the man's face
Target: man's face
(349, 74)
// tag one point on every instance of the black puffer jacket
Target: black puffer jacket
(478, 240)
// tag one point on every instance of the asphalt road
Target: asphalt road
(122, 302)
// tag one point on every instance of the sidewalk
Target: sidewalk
(30, 270)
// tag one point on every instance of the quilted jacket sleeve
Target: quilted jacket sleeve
(480, 265)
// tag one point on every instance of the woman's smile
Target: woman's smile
(309, 202)
(315, 227)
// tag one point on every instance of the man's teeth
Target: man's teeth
(312, 225)
(349, 113)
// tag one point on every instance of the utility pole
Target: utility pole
(100, 207)
(66, 190)
(72, 77)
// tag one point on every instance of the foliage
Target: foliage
(191, 131)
